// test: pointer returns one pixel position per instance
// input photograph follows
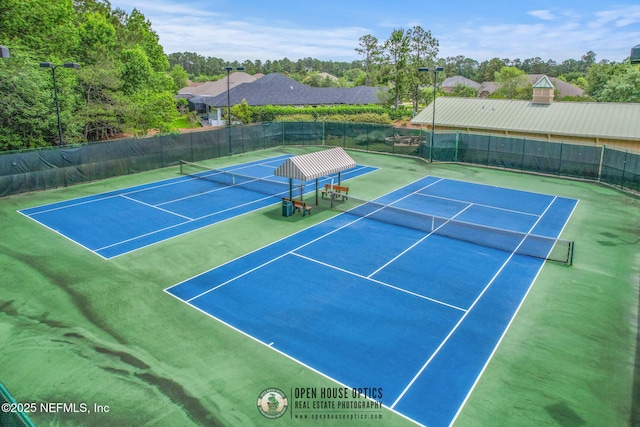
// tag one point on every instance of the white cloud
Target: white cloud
(569, 36)
(237, 40)
(542, 14)
(557, 33)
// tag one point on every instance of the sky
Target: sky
(330, 29)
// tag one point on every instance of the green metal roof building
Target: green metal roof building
(613, 124)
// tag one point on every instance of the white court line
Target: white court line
(271, 260)
(478, 204)
(455, 328)
(195, 219)
(155, 207)
(421, 240)
(85, 202)
(182, 223)
(504, 333)
(136, 189)
(270, 345)
(379, 282)
(190, 196)
(61, 234)
(274, 259)
(282, 353)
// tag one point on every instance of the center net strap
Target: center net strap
(232, 179)
(516, 242)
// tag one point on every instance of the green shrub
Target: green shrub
(348, 113)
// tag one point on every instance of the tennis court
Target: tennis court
(418, 316)
(114, 223)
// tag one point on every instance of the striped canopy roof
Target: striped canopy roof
(316, 165)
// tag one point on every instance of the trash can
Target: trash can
(287, 208)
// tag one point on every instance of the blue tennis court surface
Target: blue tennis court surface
(117, 222)
(370, 303)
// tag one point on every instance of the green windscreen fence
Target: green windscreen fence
(571, 160)
(14, 414)
(42, 169)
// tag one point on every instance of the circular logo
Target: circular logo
(272, 403)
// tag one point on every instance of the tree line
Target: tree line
(395, 62)
(126, 83)
(122, 84)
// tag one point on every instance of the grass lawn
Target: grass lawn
(183, 123)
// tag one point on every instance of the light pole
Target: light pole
(229, 102)
(55, 88)
(229, 69)
(433, 116)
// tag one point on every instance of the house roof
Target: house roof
(315, 165)
(610, 120)
(543, 83)
(451, 82)
(564, 88)
(217, 87)
(278, 89)
(326, 75)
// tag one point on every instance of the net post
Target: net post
(570, 256)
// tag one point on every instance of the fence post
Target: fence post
(600, 166)
(90, 171)
(129, 154)
(455, 156)
(560, 159)
(162, 139)
(624, 168)
(191, 145)
(433, 135)
(344, 134)
(489, 151)
(323, 133)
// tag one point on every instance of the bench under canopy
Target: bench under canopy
(310, 166)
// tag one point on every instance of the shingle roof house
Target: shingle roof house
(564, 88)
(451, 82)
(278, 89)
(217, 87)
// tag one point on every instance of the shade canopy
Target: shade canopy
(310, 166)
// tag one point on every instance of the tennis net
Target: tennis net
(232, 179)
(516, 242)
